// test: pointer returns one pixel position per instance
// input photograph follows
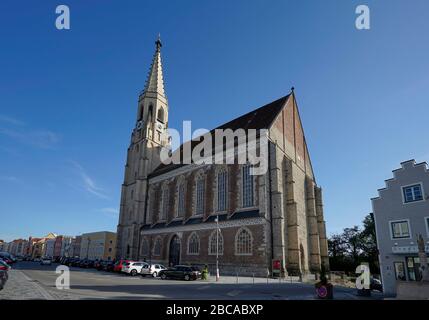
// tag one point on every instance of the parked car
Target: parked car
(37, 259)
(119, 264)
(7, 256)
(86, 263)
(152, 269)
(75, 262)
(179, 272)
(4, 265)
(46, 261)
(4, 268)
(7, 260)
(108, 266)
(197, 271)
(375, 284)
(133, 268)
(98, 264)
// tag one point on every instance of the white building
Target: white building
(49, 249)
(401, 213)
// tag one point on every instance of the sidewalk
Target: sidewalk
(247, 280)
(20, 287)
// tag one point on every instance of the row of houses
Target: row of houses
(95, 245)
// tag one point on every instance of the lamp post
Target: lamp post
(87, 248)
(217, 248)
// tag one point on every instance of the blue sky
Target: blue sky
(68, 98)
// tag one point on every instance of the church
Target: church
(221, 214)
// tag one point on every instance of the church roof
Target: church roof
(258, 119)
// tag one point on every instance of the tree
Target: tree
(369, 243)
(354, 246)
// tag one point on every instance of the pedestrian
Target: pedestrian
(205, 272)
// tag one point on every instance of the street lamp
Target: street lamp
(217, 248)
(87, 248)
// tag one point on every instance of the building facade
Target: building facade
(98, 245)
(401, 213)
(50, 245)
(76, 246)
(66, 247)
(57, 246)
(168, 212)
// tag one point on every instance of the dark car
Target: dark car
(86, 263)
(375, 284)
(179, 272)
(7, 257)
(197, 270)
(109, 266)
(4, 268)
(98, 264)
(75, 262)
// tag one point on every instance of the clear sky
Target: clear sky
(68, 98)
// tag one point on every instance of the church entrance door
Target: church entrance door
(174, 256)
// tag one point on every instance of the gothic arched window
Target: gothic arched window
(145, 247)
(193, 244)
(160, 115)
(216, 243)
(247, 186)
(222, 183)
(243, 242)
(164, 203)
(199, 203)
(157, 247)
(180, 200)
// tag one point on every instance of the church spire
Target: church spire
(155, 80)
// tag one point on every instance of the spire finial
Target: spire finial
(292, 89)
(158, 42)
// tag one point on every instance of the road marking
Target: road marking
(234, 293)
(203, 287)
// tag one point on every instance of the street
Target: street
(93, 284)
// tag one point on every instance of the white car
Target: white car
(152, 270)
(133, 268)
(46, 262)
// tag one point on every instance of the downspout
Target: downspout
(271, 204)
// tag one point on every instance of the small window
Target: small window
(400, 229)
(412, 193)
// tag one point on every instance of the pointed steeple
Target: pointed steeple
(155, 80)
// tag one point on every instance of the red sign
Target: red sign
(277, 265)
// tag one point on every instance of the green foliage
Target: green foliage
(354, 246)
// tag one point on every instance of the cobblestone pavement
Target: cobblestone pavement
(21, 287)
